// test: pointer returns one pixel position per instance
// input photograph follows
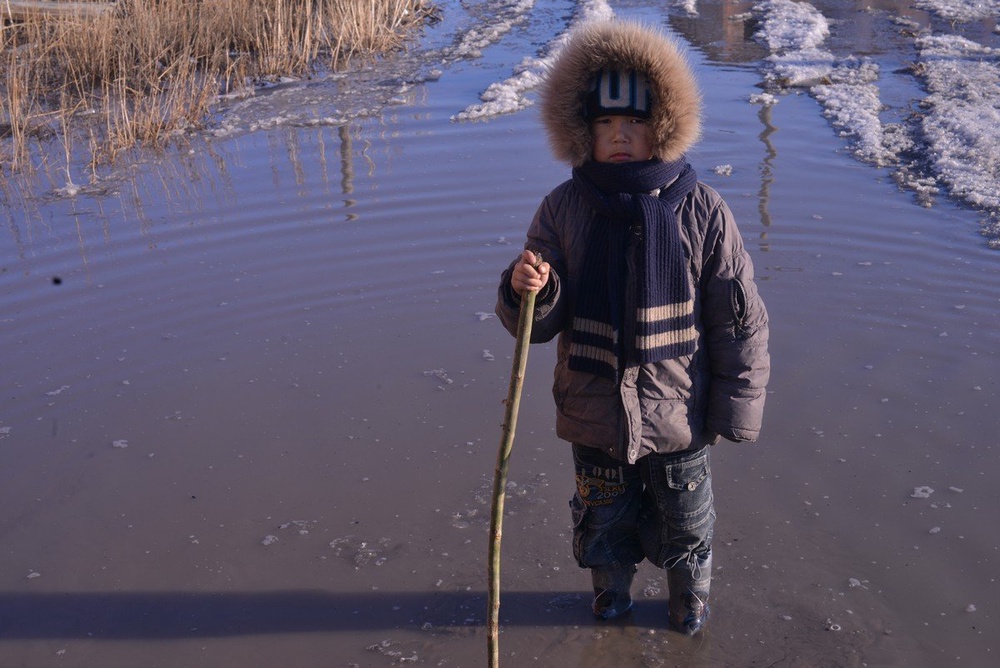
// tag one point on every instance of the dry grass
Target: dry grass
(148, 69)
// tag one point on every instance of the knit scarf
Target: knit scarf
(661, 326)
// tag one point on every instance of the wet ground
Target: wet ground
(252, 396)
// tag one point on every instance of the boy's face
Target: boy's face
(621, 139)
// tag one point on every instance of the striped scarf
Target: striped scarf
(662, 324)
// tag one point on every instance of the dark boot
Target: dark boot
(612, 591)
(689, 583)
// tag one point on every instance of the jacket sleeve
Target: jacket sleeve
(736, 332)
(543, 238)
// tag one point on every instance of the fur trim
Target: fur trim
(676, 118)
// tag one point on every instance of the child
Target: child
(662, 335)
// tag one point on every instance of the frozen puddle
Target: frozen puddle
(509, 95)
(953, 143)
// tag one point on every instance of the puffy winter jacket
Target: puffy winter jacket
(674, 404)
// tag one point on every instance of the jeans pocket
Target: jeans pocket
(686, 499)
(606, 536)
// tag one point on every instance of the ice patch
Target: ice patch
(509, 95)
(441, 375)
(791, 26)
(389, 649)
(922, 492)
(851, 101)
(764, 99)
(361, 552)
(963, 122)
(508, 14)
(794, 32)
(505, 97)
(961, 11)
(301, 526)
(953, 142)
(690, 7)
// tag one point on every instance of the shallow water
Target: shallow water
(255, 420)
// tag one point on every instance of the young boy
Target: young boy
(662, 335)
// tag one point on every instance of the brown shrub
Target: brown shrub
(146, 69)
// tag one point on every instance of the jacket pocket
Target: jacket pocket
(739, 304)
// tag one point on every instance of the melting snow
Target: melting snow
(963, 123)
(957, 140)
(962, 11)
(508, 96)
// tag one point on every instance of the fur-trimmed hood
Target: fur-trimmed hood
(622, 45)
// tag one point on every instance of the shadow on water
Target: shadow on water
(553, 624)
(167, 615)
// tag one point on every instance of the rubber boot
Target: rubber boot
(689, 584)
(612, 591)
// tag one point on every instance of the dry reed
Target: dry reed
(148, 69)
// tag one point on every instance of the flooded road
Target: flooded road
(252, 394)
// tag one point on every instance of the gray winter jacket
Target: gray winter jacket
(671, 405)
(674, 404)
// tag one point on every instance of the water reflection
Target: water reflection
(766, 172)
(722, 30)
(192, 187)
(347, 169)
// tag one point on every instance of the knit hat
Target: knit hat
(618, 93)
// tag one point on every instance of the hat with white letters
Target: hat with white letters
(618, 93)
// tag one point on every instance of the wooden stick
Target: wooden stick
(512, 404)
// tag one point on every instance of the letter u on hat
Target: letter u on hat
(618, 93)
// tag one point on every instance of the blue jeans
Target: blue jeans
(661, 508)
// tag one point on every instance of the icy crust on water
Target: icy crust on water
(509, 95)
(505, 17)
(953, 143)
(961, 10)
(793, 27)
(950, 145)
(947, 142)
(963, 122)
(335, 99)
(794, 32)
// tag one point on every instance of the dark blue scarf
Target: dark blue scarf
(662, 323)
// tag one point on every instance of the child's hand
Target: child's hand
(526, 277)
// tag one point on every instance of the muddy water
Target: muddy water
(251, 406)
